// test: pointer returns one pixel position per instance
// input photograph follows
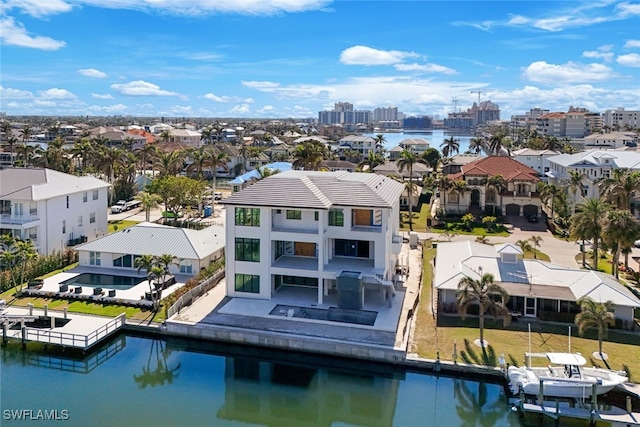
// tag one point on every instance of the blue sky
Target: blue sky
(292, 58)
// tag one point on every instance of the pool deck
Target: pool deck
(244, 320)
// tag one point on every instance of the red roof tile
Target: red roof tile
(509, 168)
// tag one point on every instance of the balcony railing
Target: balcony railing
(295, 230)
(367, 228)
(18, 219)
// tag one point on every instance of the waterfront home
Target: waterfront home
(593, 165)
(336, 233)
(537, 160)
(611, 140)
(193, 250)
(537, 289)
(52, 209)
(519, 197)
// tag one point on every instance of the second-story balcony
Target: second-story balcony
(367, 228)
(296, 262)
(305, 230)
(18, 219)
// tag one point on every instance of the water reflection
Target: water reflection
(281, 394)
(157, 371)
(473, 407)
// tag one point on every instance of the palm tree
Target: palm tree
(482, 239)
(405, 162)
(459, 187)
(26, 133)
(499, 184)
(11, 140)
(149, 201)
(619, 230)
(444, 184)
(25, 252)
(373, 159)
(587, 224)
(309, 155)
(476, 145)
(574, 183)
(482, 292)
(165, 135)
(379, 141)
(549, 193)
(82, 150)
(536, 244)
(219, 159)
(620, 188)
(145, 153)
(169, 163)
(26, 152)
(449, 146)
(496, 142)
(524, 245)
(207, 135)
(108, 160)
(265, 172)
(201, 160)
(593, 314)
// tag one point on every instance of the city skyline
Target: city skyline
(298, 57)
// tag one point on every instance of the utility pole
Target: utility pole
(455, 102)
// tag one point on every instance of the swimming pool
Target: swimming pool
(94, 280)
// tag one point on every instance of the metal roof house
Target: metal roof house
(305, 229)
(52, 209)
(193, 249)
(535, 287)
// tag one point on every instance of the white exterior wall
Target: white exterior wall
(539, 163)
(275, 227)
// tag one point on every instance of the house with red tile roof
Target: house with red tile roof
(519, 196)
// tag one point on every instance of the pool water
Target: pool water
(94, 280)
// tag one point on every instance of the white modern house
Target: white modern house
(610, 140)
(593, 165)
(537, 160)
(193, 250)
(334, 232)
(52, 209)
(536, 288)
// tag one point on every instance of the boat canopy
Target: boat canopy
(566, 359)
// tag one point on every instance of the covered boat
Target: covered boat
(564, 376)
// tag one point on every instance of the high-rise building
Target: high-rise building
(343, 113)
(620, 118)
(382, 114)
(484, 112)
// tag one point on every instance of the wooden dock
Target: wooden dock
(81, 332)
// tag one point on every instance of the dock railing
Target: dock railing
(68, 339)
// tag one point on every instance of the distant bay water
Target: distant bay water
(435, 138)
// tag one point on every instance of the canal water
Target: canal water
(140, 381)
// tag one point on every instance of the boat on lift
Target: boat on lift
(565, 375)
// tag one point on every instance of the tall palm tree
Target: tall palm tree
(482, 292)
(620, 188)
(25, 133)
(25, 252)
(107, 162)
(165, 135)
(549, 193)
(619, 230)
(459, 187)
(496, 143)
(11, 140)
(593, 314)
(573, 183)
(201, 160)
(536, 244)
(169, 163)
(26, 152)
(309, 155)
(524, 245)
(206, 135)
(149, 201)
(379, 142)
(499, 184)
(219, 160)
(587, 224)
(82, 150)
(444, 184)
(146, 153)
(449, 146)
(476, 145)
(406, 161)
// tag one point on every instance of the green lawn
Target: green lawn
(419, 218)
(120, 224)
(431, 339)
(457, 228)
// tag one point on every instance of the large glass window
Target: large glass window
(336, 217)
(186, 266)
(247, 283)
(94, 258)
(123, 261)
(95, 194)
(293, 214)
(351, 248)
(248, 217)
(247, 249)
(33, 209)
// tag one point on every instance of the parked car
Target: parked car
(637, 243)
(217, 195)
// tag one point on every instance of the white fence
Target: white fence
(188, 298)
(69, 339)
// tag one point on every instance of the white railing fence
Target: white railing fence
(191, 295)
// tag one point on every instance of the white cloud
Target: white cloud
(92, 72)
(571, 72)
(225, 99)
(631, 44)
(38, 8)
(8, 93)
(426, 68)
(181, 110)
(141, 88)
(363, 55)
(627, 9)
(13, 33)
(630, 60)
(55, 93)
(606, 56)
(259, 84)
(101, 96)
(267, 109)
(109, 109)
(240, 110)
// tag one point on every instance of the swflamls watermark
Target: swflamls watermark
(35, 414)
